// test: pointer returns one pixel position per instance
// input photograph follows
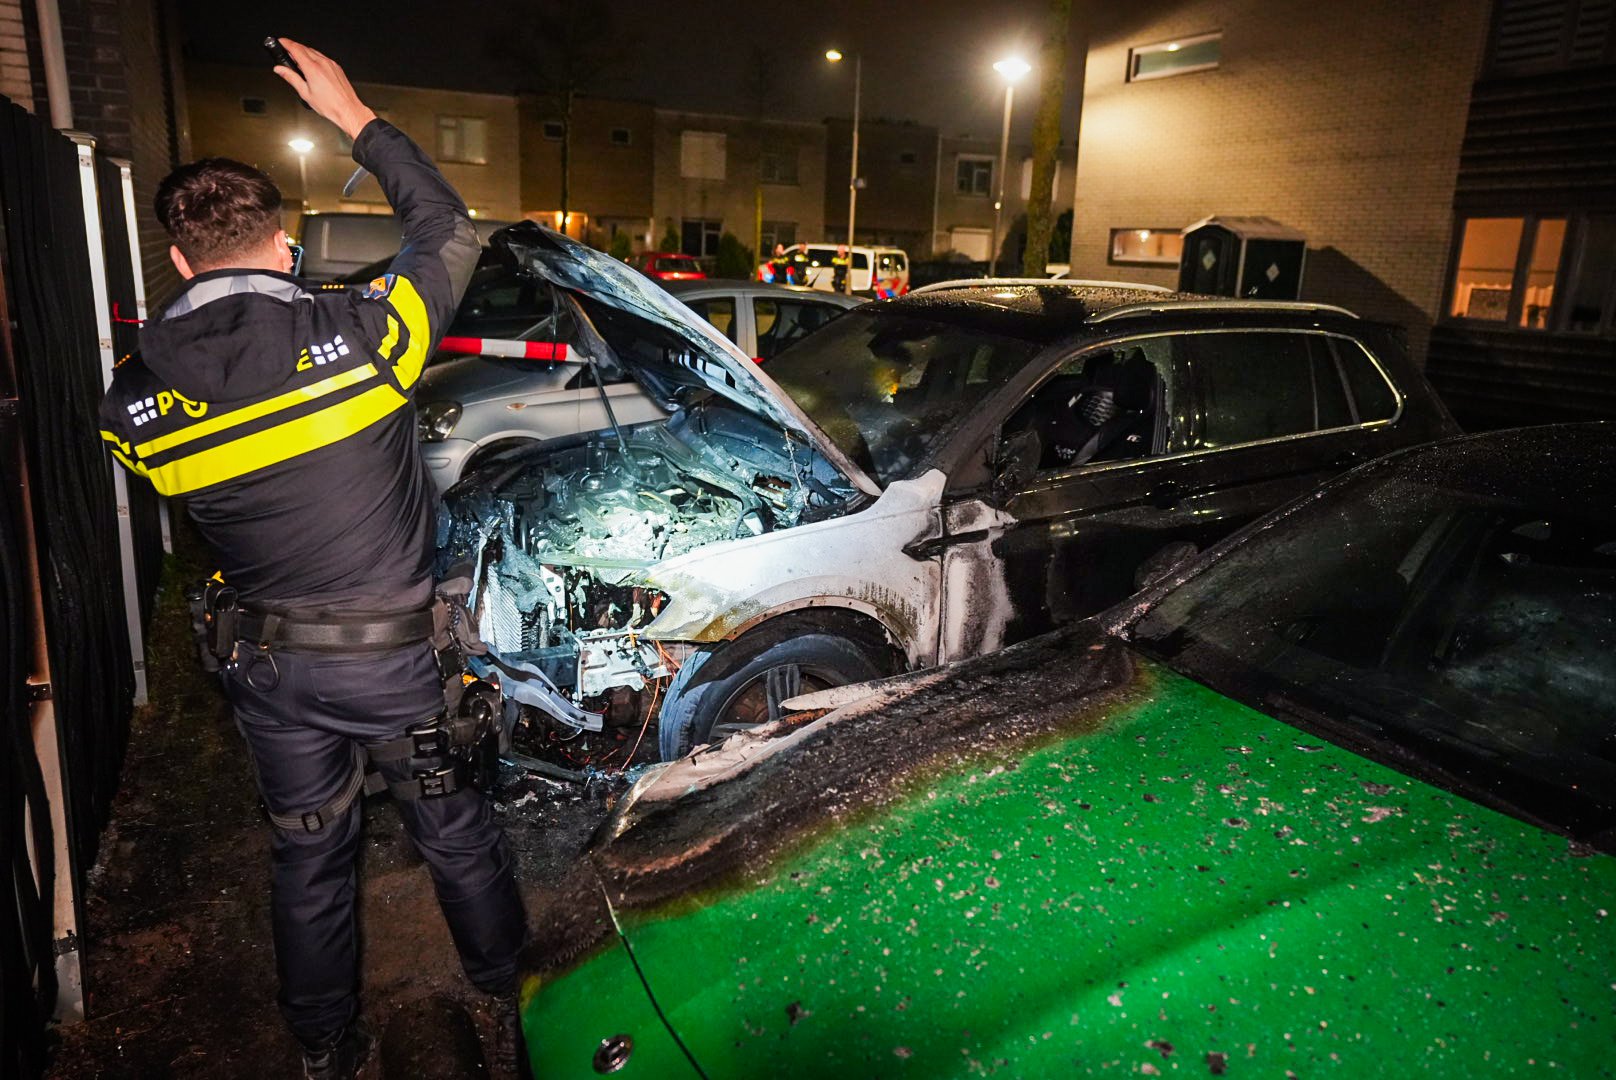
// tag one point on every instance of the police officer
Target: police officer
(285, 419)
(840, 265)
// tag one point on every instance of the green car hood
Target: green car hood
(1142, 876)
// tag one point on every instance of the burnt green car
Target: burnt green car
(1336, 797)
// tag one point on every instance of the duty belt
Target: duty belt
(333, 633)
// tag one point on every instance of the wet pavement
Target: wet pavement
(180, 974)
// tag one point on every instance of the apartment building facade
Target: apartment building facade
(719, 173)
(1341, 121)
(1527, 327)
(251, 115)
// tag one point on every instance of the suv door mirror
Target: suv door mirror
(1015, 462)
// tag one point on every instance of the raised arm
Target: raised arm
(425, 281)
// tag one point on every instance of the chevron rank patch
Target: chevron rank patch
(380, 287)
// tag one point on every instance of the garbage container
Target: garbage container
(1255, 258)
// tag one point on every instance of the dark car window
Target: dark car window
(886, 386)
(1256, 386)
(1469, 623)
(782, 322)
(720, 311)
(1102, 406)
(676, 265)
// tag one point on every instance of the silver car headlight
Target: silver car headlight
(437, 419)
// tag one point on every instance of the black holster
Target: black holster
(214, 612)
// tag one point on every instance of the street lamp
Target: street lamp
(301, 147)
(1011, 69)
(835, 57)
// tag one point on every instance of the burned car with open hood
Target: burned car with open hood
(920, 481)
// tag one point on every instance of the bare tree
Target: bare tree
(761, 90)
(559, 49)
(1046, 137)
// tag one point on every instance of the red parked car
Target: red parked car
(667, 266)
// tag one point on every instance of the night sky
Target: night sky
(928, 60)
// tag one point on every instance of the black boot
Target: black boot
(339, 1057)
(509, 1051)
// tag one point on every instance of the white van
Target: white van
(337, 244)
(891, 276)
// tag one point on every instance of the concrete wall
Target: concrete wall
(220, 126)
(1343, 121)
(732, 200)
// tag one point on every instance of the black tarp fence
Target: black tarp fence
(53, 355)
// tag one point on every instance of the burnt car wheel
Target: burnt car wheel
(741, 684)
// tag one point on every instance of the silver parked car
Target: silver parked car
(476, 406)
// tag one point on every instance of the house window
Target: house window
(778, 232)
(1146, 247)
(1555, 273)
(621, 137)
(701, 155)
(1178, 57)
(463, 139)
(779, 164)
(973, 176)
(554, 130)
(699, 237)
(908, 157)
(255, 106)
(1535, 36)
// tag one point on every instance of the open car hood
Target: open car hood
(720, 365)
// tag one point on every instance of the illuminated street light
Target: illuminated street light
(1011, 69)
(301, 147)
(835, 56)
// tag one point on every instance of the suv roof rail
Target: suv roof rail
(1164, 306)
(1134, 286)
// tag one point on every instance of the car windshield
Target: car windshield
(1460, 614)
(885, 385)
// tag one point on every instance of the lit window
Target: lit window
(554, 130)
(1541, 273)
(1146, 247)
(621, 137)
(1179, 57)
(1485, 277)
(701, 155)
(973, 176)
(463, 139)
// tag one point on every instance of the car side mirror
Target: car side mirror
(1167, 558)
(1015, 462)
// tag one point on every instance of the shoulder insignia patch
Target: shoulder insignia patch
(380, 287)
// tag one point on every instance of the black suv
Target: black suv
(921, 480)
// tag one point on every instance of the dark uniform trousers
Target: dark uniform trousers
(304, 733)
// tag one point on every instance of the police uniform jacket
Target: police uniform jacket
(284, 414)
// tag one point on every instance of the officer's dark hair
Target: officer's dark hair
(218, 210)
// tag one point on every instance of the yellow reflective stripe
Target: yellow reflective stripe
(277, 444)
(225, 421)
(391, 340)
(412, 309)
(114, 440)
(134, 466)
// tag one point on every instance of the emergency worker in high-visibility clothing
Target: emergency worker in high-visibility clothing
(283, 415)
